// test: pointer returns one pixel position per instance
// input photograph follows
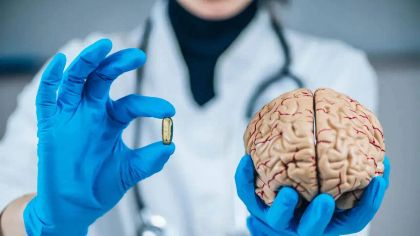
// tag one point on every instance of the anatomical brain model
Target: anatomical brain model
(340, 158)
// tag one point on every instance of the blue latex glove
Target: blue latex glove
(319, 218)
(84, 167)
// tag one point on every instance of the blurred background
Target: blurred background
(388, 30)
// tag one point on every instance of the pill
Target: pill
(167, 130)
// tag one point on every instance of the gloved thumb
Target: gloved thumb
(145, 162)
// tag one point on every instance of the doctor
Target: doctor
(207, 58)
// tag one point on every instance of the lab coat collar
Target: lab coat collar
(246, 57)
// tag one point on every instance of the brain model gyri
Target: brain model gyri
(340, 157)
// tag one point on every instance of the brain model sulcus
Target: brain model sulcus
(324, 142)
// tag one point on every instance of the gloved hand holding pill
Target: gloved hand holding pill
(84, 167)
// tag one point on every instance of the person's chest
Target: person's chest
(195, 191)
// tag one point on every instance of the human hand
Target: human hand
(319, 218)
(84, 167)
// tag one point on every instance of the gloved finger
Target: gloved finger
(387, 170)
(132, 106)
(46, 98)
(355, 219)
(280, 214)
(99, 82)
(259, 228)
(75, 75)
(244, 179)
(316, 217)
(372, 198)
(145, 162)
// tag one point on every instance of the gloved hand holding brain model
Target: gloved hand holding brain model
(324, 142)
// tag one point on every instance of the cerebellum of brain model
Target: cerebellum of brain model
(324, 142)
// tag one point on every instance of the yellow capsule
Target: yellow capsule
(167, 130)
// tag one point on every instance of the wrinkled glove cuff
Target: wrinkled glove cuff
(34, 226)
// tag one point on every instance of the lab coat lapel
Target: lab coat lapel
(253, 58)
(209, 138)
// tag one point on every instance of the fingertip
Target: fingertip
(386, 160)
(156, 154)
(382, 182)
(387, 169)
(246, 164)
(287, 196)
(281, 211)
(55, 67)
(60, 57)
(61, 60)
(370, 192)
(170, 112)
(163, 149)
(173, 110)
(149, 160)
(317, 216)
(169, 148)
(381, 185)
(104, 43)
(58, 61)
(141, 56)
(244, 175)
(169, 109)
(380, 193)
(376, 182)
(326, 203)
(134, 56)
(322, 207)
(245, 187)
(246, 160)
(166, 109)
(98, 49)
(375, 185)
(387, 164)
(325, 197)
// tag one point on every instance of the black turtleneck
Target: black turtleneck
(202, 42)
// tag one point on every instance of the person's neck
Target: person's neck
(215, 9)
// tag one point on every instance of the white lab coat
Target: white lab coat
(195, 192)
